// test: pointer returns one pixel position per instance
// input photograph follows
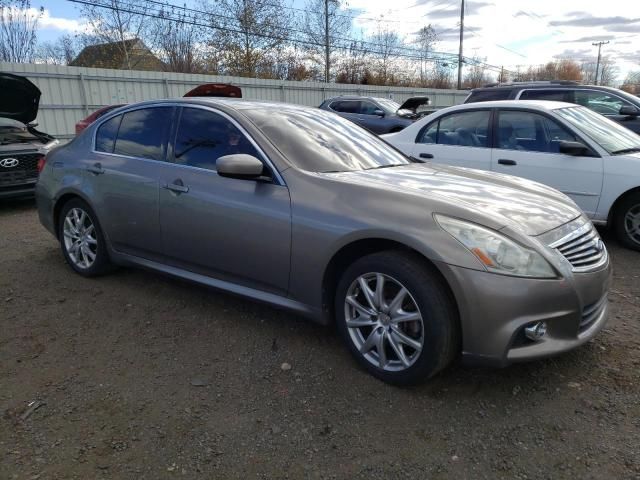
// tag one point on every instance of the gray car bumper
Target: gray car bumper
(495, 309)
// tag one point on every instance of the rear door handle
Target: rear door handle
(504, 161)
(96, 169)
(426, 155)
(177, 186)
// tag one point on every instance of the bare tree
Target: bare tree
(314, 31)
(18, 27)
(247, 32)
(476, 75)
(386, 44)
(114, 21)
(60, 52)
(353, 65)
(607, 72)
(426, 39)
(177, 36)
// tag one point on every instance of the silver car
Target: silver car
(417, 264)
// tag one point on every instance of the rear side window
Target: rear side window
(106, 135)
(464, 129)
(488, 95)
(143, 132)
(554, 95)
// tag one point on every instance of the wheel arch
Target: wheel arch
(356, 249)
(617, 202)
(61, 201)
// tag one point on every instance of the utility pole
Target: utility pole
(460, 51)
(599, 45)
(326, 41)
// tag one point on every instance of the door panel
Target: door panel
(232, 229)
(527, 146)
(124, 184)
(236, 230)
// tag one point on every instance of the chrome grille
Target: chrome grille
(591, 312)
(583, 248)
(27, 168)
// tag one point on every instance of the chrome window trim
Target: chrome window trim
(278, 180)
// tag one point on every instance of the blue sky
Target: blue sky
(509, 33)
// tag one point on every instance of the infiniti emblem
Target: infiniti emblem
(9, 162)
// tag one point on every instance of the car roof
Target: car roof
(535, 104)
(559, 85)
(354, 97)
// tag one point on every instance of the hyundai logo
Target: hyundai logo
(9, 162)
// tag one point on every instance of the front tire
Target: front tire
(82, 240)
(397, 318)
(626, 221)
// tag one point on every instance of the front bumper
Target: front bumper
(22, 189)
(495, 309)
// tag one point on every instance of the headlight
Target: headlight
(497, 253)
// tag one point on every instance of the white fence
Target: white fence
(71, 93)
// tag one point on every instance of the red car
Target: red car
(82, 124)
(204, 90)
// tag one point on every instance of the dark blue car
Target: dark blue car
(379, 115)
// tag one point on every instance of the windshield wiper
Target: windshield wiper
(626, 150)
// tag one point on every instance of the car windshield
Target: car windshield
(319, 141)
(614, 138)
(389, 105)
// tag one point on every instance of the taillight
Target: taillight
(41, 161)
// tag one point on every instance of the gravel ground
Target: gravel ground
(139, 376)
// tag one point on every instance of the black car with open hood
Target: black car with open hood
(22, 147)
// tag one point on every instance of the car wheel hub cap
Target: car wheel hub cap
(384, 322)
(80, 238)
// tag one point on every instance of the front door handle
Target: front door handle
(96, 169)
(177, 186)
(504, 161)
(426, 155)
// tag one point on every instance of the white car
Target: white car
(593, 160)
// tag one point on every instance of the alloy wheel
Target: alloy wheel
(384, 321)
(80, 238)
(632, 223)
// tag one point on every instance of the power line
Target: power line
(130, 8)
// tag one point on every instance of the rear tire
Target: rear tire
(412, 319)
(81, 239)
(626, 221)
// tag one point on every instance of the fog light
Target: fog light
(536, 331)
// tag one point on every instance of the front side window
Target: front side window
(530, 132)
(368, 108)
(106, 134)
(143, 133)
(346, 106)
(204, 136)
(465, 129)
(600, 102)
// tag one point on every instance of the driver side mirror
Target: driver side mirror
(629, 111)
(576, 149)
(240, 165)
(378, 112)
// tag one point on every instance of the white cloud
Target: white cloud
(59, 23)
(537, 31)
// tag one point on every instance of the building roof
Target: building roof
(114, 55)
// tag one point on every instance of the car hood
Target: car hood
(532, 207)
(19, 98)
(414, 102)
